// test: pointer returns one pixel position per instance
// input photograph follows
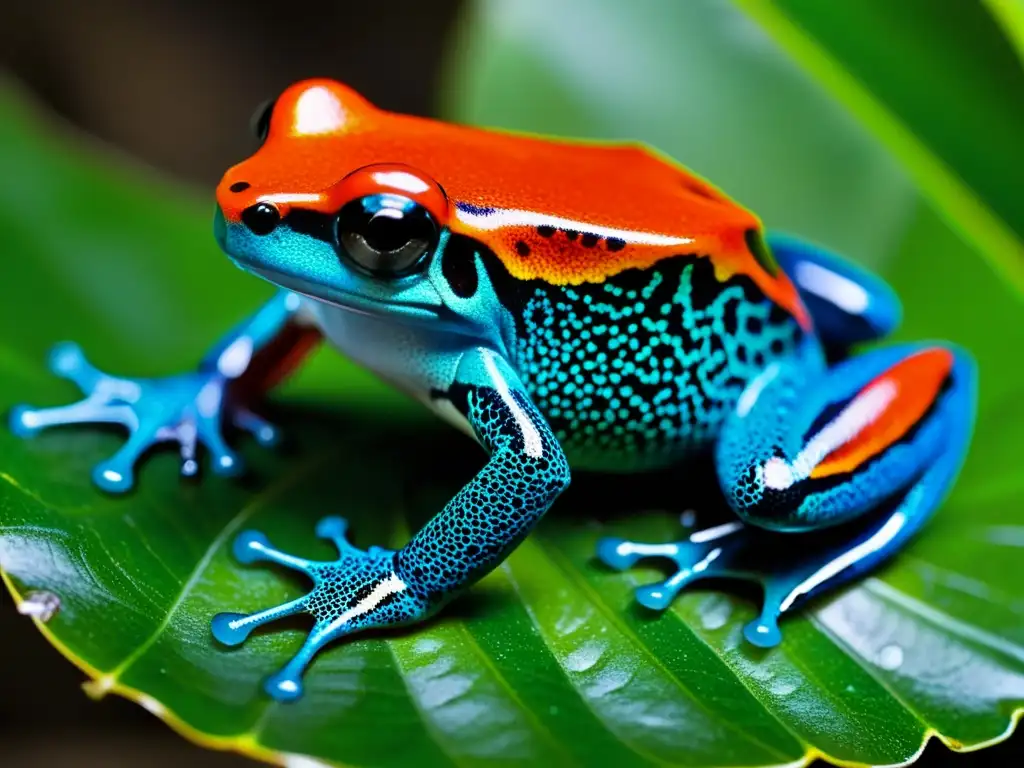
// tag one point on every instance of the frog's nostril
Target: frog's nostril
(261, 219)
(239, 186)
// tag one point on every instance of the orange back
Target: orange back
(564, 212)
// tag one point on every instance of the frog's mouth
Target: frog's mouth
(352, 302)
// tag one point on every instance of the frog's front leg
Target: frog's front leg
(841, 467)
(189, 409)
(473, 533)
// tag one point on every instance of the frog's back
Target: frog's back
(563, 212)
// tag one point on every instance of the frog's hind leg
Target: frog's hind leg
(848, 304)
(830, 474)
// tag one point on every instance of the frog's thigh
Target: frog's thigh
(885, 433)
(804, 452)
(849, 304)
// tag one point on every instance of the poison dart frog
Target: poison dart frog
(569, 306)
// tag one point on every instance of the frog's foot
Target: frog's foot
(359, 590)
(788, 566)
(713, 552)
(188, 409)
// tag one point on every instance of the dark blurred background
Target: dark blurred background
(174, 83)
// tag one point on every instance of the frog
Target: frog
(572, 306)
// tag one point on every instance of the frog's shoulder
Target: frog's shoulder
(569, 212)
(572, 212)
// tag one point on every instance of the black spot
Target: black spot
(522, 248)
(545, 231)
(754, 325)
(239, 186)
(458, 266)
(615, 244)
(572, 234)
(588, 240)
(777, 346)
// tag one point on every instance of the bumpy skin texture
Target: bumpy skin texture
(496, 510)
(470, 536)
(639, 370)
(563, 321)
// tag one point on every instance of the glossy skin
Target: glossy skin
(567, 305)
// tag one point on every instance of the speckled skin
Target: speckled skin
(637, 372)
(607, 349)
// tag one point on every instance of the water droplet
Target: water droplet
(40, 604)
(584, 657)
(688, 519)
(571, 619)
(714, 612)
(890, 657)
(427, 645)
(783, 687)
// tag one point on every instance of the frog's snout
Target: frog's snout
(260, 219)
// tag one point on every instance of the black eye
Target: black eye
(388, 235)
(259, 124)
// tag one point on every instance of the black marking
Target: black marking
(545, 231)
(572, 234)
(589, 240)
(615, 243)
(730, 318)
(522, 248)
(315, 224)
(640, 352)
(458, 265)
(239, 186)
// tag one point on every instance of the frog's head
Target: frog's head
(325, 208)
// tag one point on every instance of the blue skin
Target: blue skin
(636, 373)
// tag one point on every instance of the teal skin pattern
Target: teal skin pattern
(642, 371)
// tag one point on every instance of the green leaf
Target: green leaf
(942, 90)
(547, 660)
(1010, 14)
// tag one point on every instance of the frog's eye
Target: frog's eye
(259, 124)
(386, 234)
